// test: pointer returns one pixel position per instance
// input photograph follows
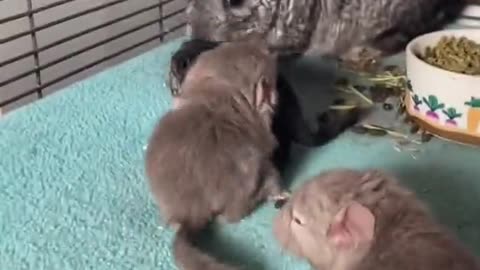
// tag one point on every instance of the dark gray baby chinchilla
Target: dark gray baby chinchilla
(338, 28)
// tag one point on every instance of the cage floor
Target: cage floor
(73, 192)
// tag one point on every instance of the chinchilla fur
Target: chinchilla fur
(324, 27)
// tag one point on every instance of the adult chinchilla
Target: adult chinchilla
(339, 28)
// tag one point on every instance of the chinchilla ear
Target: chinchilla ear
(265, 97)
(351, 226)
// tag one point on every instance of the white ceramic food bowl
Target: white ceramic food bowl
(439, 99)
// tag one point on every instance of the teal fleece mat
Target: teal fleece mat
(73, 193)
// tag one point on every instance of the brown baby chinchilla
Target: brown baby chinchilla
(365, 220)
(289, 123)
(210, 156)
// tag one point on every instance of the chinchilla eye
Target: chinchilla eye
(298, 221)
(232, 3)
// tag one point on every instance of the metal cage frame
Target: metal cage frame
(33, 29)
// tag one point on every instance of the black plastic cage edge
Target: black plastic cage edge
(36, 50)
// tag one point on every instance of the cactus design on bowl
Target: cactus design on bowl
(452, 114)
(433, 105)
(473, 114)
(416, 101)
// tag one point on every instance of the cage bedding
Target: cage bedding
(73, 193)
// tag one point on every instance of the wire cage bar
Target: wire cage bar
(34, 29)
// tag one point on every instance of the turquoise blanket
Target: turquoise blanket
(73, 192)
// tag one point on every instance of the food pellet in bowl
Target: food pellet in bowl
(456, 54)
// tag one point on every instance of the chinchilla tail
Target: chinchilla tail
(189, 257)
